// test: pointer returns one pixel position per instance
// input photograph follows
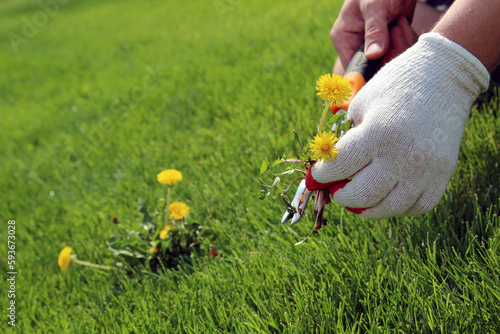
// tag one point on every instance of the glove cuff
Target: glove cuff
(469, 64)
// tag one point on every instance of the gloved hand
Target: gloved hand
(408, 124)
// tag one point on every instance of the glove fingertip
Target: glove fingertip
(312, 184)
(337, 186)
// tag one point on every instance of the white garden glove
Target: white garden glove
(408, 124)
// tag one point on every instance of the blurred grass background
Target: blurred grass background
(105, 94)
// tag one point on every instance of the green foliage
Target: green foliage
(342, 124)
(277, 175)
(143, 244)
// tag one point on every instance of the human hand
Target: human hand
(408, 124)
(368, 21)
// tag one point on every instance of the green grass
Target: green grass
(84, 132)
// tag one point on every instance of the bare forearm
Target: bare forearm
(475, 25)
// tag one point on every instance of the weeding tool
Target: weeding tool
(359, 71)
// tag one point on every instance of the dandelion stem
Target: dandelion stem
(167, 203)
(323, 116)
(89, 264)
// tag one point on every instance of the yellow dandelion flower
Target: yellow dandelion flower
(178, 210)
(335, 89)
(164, 232)
(154, 250)
(64, 259)
(169, 177)
(322, 146)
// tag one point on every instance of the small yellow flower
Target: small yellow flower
(335, 89)
(323, 148)
(164, 232)
(154, 250)
(178, 210)
(64, 259)
(169, 177)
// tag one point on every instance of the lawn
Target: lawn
(97, 97)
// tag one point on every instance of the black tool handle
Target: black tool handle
(359, 63)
